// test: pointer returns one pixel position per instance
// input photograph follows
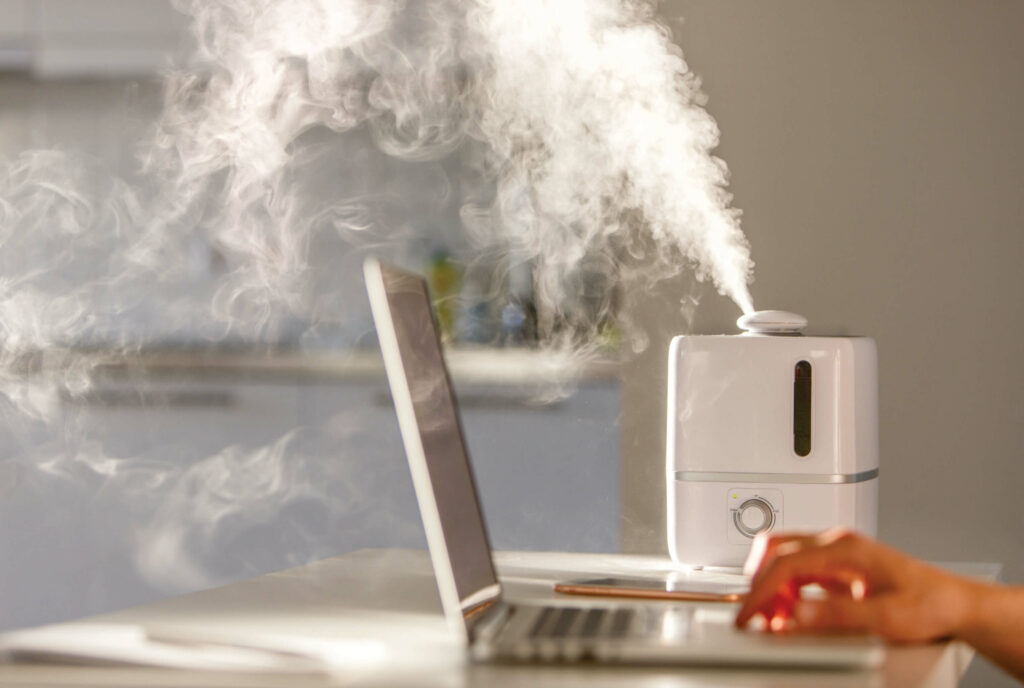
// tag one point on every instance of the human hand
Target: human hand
(869, 588)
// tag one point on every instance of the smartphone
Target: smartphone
(655, 589)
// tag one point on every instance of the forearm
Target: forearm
(994, 624)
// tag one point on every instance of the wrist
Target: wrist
(978, 604)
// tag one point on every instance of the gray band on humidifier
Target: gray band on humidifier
(802, 478)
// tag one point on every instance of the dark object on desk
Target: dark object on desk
(645, 589)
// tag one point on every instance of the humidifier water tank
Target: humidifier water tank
(768, 431)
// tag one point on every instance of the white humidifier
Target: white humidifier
(768, 431)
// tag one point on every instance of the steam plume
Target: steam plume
(564, 133)
(589, 106)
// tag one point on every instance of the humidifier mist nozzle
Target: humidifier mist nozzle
(772, 322)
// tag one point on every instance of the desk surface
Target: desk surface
(375, 616)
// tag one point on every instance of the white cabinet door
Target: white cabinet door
(114, 38)
(14, 42)
(13, 19)
(111, 18)
(548, 475)
(369, 499)
(134, 491)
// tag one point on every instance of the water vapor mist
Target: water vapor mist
(576, 126)
(591, 113)
(298, 136)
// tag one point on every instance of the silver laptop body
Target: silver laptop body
(471, 595)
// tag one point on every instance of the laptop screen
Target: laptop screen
(433, 438)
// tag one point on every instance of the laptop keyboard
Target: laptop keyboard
(575, 622)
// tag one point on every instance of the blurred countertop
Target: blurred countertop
(469, 366)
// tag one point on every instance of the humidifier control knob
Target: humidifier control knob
(754, 516)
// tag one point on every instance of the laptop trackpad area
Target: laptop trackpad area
(669, 634)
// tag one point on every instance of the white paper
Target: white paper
(122, 644)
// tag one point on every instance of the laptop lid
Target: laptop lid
(434, 445)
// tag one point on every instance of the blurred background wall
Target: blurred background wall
(877, 151)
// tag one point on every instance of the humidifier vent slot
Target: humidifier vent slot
(802, 409)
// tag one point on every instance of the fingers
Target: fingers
(868, 588)
(843, 562)
(836, 615)
(845, 584)
(777, 603)
(766, 547)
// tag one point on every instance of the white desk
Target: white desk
(377, 614)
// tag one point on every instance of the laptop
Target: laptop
(497, 628)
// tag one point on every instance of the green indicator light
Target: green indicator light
(734, 496)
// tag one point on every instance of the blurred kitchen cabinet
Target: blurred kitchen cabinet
(223, 478)
(117, 19)
(547, 472)
(93, 479)
(180, 420)
(14, 32)
(60, 39)
(13, 19)
(368, 492)
(131, 466)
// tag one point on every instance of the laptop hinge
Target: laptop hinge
(485, 621)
